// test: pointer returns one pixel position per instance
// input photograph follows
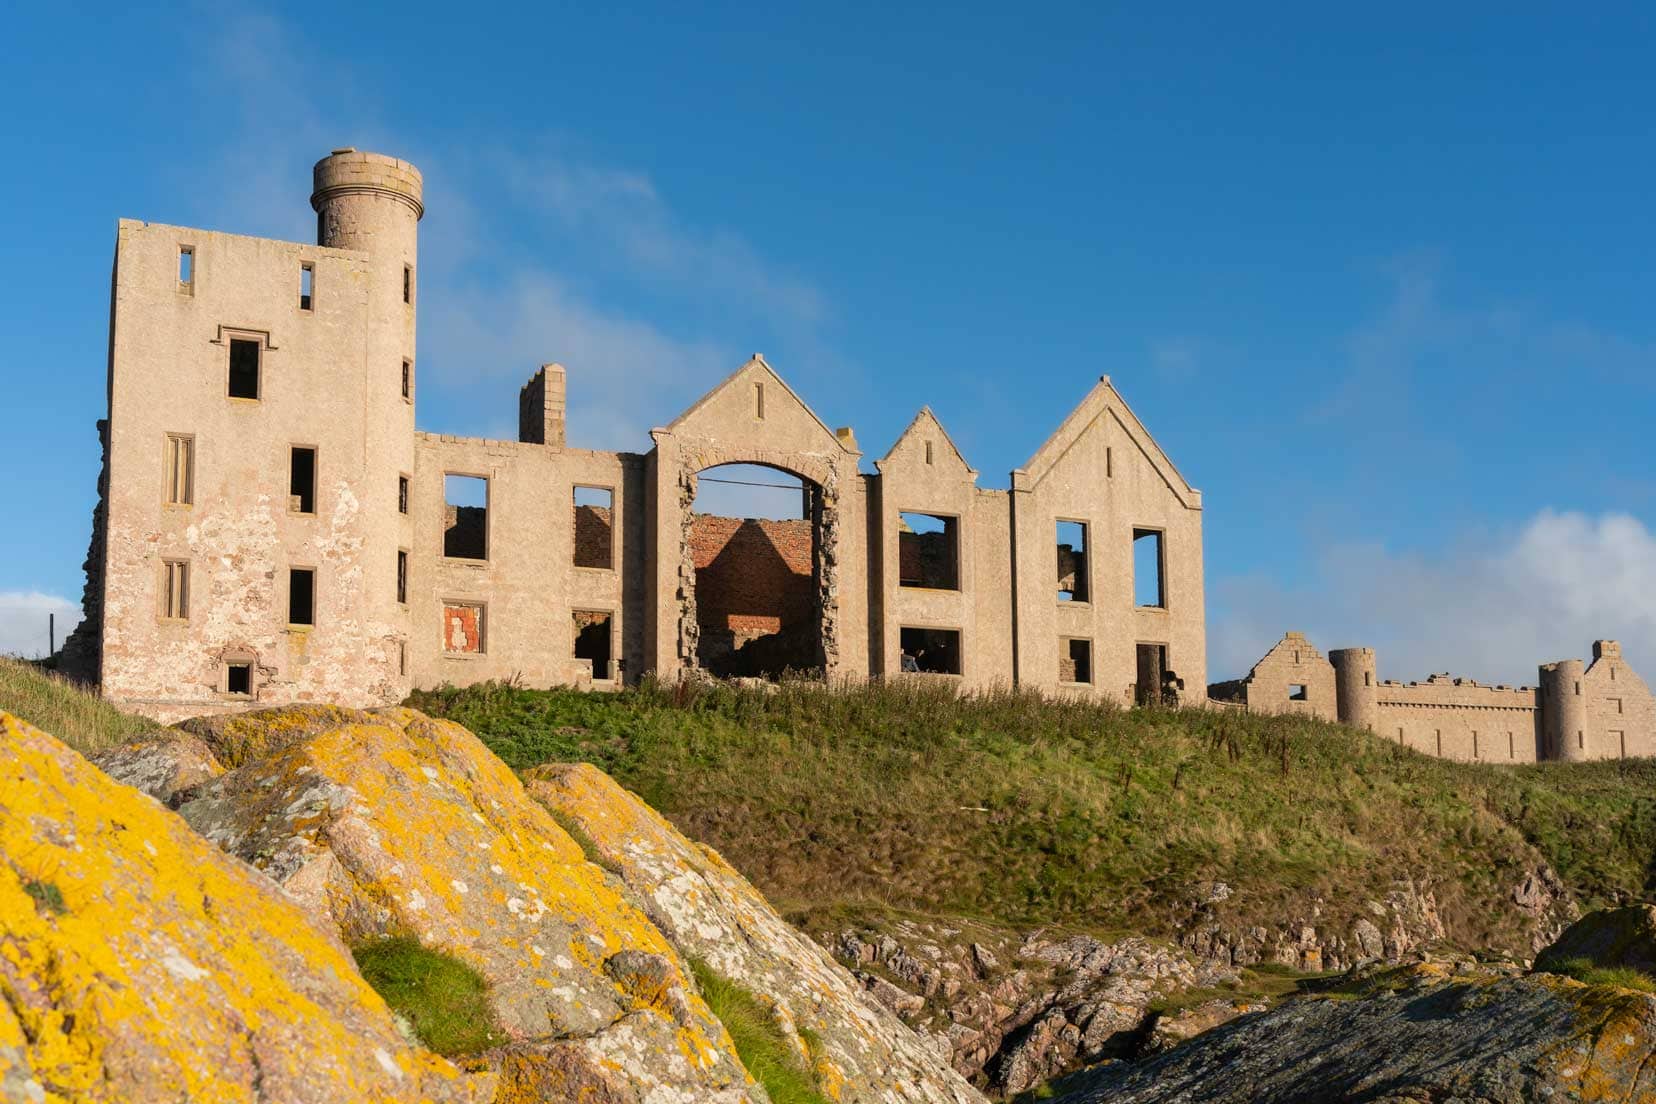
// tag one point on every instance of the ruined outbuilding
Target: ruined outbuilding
(272, 528)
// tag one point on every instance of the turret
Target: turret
(367, 201)
(1355, 692)
(1563, 710)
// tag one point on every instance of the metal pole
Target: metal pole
(51, 634)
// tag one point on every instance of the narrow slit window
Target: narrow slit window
(302, 480)
(928, 452)
(1073, 575)
(402, 657)
(1148, 562)
(1298, 692)
(402, 494)
(180, 469)
(466, 517)
(1109, 462)
(245, 354)
(759, 401)
(186, 268)
(594, 527)
(307, 286)
(238, 678)
(407, 378)
(402, 576)
(928, 551)
(301, 596)
(593, 636)
(175, 590)
(930, 651)
(408, 283)
(1075, 661)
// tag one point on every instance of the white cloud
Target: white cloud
(23, 621)
(1491, 605)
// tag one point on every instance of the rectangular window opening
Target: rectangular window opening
(302, 480)
(402, 576)
(465, 517)
(592, 640)
(1154, 683)
(1149, 589)
(186, 268)
(408, 283)
(402, 657)
(1297, 692)
(595, 528)
(1512, 747)
(408, 379)
(928, 551)
(307, 285)
(928, 452)
(1074, 578)
(930, 651)
(175, 589)
(759, 401)
(1075, 661)
(244, 368)
(1109, 462)
(180, 469)
(238, 679)
(463, 626)
(402, 494)
(301, 596)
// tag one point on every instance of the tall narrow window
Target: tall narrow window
(402, 494)
(180, 465)
(928, 452)
(186, 269)
(301, 596)
(175, 589)
(1109, 462)
(1148, 563)
(1073, 574)
(407, 379)
(759, 401)
(244, 368)
(307, 286)
(402, 576)
(302, 480)
(594, 527)
(408, 283)
(465, 517)
(1075, 660)
(592, 640)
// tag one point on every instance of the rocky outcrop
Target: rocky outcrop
(860, 1052)
(1431, 1032)
(389, 822)
(168, 765)
(1609, 938)
(140, 964)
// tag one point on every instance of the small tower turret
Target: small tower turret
(1563, 710)
(1355, 690)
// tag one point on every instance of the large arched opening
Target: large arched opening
(756, 542)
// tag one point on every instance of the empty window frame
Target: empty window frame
(595, 528)
(1149, 564)
(186, 269)
(178, 459)
(928, 551)
(465, 517)
(402, 494)
(301, 596)
(408, 283)
(302, 479)
(175, 590)
(1075, 660)
(307, 286)
(1074, 573)
(930, 651)
(464, 626)
(408, 379)
(238, 677)
(246, 353)
(592, 630)
(759, 401)
(1298, 692)
(1154, 684)
(402, 576)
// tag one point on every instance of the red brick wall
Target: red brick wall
(462, 631)
(752, 577)
(592, 536)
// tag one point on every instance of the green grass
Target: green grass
(57, 706)
(48, 898)
(442, 998)
(1024, 811)
(1620, 977)
(765, 1051)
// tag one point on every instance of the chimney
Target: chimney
(541, 408)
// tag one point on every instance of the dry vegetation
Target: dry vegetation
(53, 704)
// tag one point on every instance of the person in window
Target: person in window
(1171, 687)
(910, 664)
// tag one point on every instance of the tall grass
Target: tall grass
(765, 1051)
(1015, 808)
(65, 709)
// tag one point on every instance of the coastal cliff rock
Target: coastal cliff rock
(388, 822)
(1609, 938)
(860, 1052)
(140, 964)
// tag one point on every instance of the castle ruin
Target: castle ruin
(272, 528)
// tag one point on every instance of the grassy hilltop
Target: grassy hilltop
(1023, 811)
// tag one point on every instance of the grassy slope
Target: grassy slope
(1024, 811)
(83, 721)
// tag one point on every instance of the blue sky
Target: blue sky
(1379, 282)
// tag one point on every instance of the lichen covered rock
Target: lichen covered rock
(861, 1053)
(167, 764)
(389, 822)
(140, 964)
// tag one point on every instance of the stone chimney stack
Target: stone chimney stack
(541, 408)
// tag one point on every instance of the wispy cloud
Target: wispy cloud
(1492, 604)
(23, 621)
(1177, 358)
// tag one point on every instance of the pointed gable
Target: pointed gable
(1104, 404)
(754, 402)
(925, 441)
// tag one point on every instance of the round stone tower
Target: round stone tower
(1563, 710)
(367, 201)
(1355, 687)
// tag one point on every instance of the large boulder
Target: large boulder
(1610, 937)
(860, 1051)
(389, 822)
(1415, 1034)
(167, 764)
(140, 964)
